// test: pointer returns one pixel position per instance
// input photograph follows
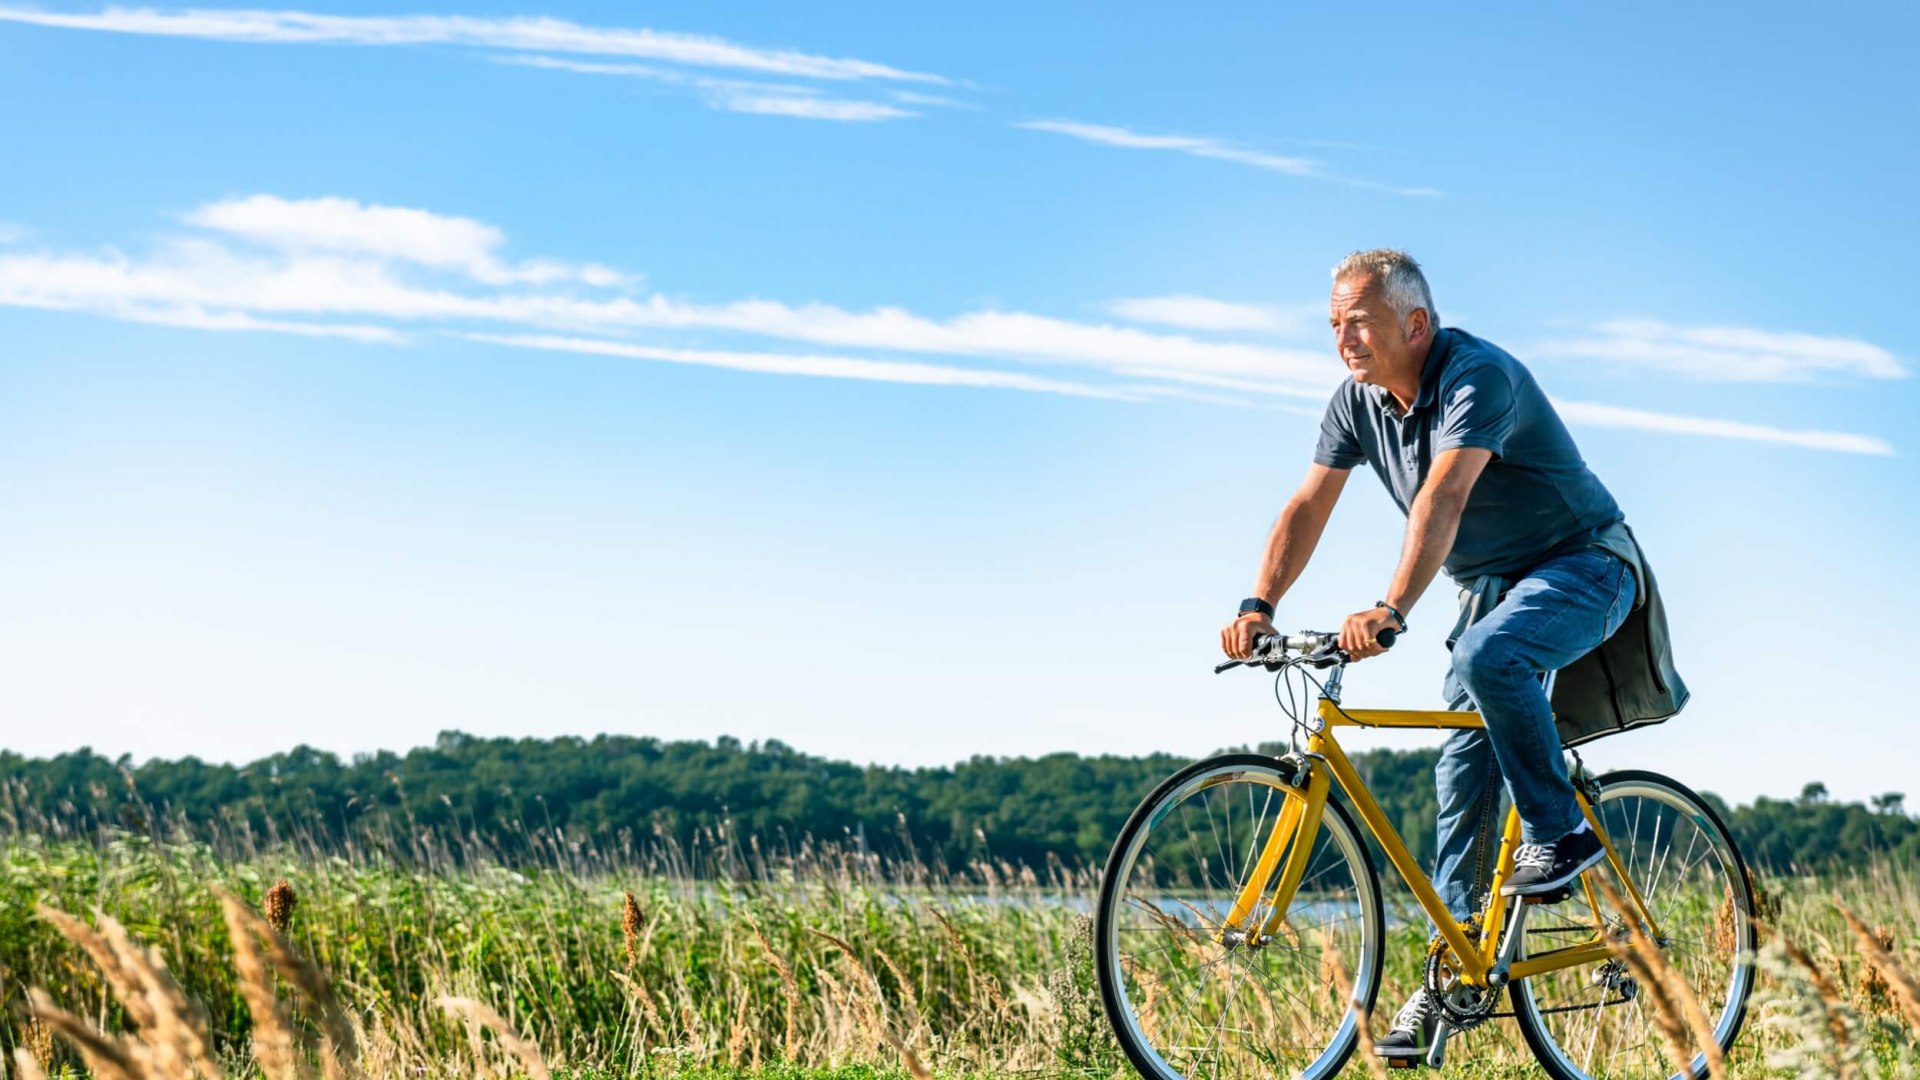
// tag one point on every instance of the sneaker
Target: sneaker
(1413, 1028)
(1545, 868)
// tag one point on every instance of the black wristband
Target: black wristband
(1253, 603)
(1395, 612)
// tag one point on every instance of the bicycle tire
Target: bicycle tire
(1544, 1005)
(1337, 842)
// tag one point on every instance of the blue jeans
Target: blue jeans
(1554, 615)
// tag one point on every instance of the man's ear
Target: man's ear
(1419, 325)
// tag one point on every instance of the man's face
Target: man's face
(1368, 333)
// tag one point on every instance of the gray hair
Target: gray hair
(1397, 275)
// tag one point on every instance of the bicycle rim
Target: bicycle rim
(1586, 1023)
(1183, 1004)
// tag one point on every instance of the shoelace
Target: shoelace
(1414, 1012)
(1538, 856)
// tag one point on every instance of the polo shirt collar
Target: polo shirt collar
(1429, 376)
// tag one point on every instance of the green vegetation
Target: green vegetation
(832, 967)
(724, 912)
(637, 796)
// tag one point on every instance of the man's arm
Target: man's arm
(1432, 522)
(1289, 546)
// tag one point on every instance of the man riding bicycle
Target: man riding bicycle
(1496, 493)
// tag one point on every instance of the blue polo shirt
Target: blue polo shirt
(1536, 498)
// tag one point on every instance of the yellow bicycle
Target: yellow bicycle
(1240, 889)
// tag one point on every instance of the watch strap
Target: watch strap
(1254, 604)
(1393, 611)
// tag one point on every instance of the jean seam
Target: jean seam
(1489, 798)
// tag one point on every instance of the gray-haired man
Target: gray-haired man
(1494, 491)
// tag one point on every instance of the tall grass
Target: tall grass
(384, 960)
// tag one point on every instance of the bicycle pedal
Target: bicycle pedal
(1557, 896)
(1405, 1063)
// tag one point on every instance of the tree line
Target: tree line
(1059, 808)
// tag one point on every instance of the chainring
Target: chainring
(1465, 1007)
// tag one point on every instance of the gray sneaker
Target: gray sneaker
(1412, 1031)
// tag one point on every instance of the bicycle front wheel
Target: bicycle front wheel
(1186, 1004)
(1596, 1022)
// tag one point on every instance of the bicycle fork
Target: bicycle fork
(1286, 850)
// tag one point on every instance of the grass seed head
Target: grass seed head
(631, 922)
(280, 902)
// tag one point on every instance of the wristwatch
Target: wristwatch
(1393, 611)
(1254, 604)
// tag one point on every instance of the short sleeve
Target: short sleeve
(1476, 409)
(1339, 447)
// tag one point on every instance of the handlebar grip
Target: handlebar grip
(1387, 637)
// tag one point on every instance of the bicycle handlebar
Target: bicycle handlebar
(1272, 648)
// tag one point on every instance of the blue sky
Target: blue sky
(912, 383)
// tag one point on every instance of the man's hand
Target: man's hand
(1236, 638)
(1359, 634)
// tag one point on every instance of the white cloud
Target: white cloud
(1203, 313)
(1729, 353)
(388, 232)
(938, 101)
(1185, 144)
(1200, 146)
(335, 267)
(731, 95)
(1586, 412)
(524, 34)
(327, 258)
(803, 106)
(832, 367)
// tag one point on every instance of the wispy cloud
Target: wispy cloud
(274, 258)
(389, 232)
(1185, 144)
(369, 273)
(801, 105)
(546, 35)
(729, 95)
(1204, 313)
(1217, 149)
(11, 233)
(937, 101)
(1586, 412)
(1728, 353)
(831, 367)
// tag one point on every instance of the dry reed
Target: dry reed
(1677, 1012)
(28, 1067)
(1901, 984)
(1340, 981)
(789, 988)
(876, 1008)
(479, 1016)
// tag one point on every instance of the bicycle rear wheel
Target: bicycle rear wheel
(1595, 1022)
(1185, 1006)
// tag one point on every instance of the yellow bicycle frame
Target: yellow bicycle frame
(1289, 846)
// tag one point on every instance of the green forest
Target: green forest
(505, 797)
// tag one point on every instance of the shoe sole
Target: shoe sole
(1560, 882)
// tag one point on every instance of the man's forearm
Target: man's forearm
(1289, 546)
(1432, 523)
